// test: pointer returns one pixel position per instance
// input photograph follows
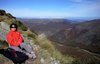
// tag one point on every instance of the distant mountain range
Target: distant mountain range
(67, 33)
(85, 35)
(78, 41)
(41, 50)
(47, 26)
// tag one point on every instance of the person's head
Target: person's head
(13, 27)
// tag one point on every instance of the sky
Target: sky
(52, 8)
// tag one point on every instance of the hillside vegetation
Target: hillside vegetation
(79, 39)
(45, 51)
(85, 35)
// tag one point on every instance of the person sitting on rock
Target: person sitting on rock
(17, 43)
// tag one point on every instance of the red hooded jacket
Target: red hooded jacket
(14, 38)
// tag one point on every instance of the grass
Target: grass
(47, 49)
(21, 26)
(86, 61)
(30, 35)
(44, 43)
(64, 59)
(4, 60)
(3, 44)
(8, 18)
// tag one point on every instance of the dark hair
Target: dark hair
(13, 25)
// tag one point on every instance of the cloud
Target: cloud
(91, 9)
(84, 1)
(77, 1)
(81, 8)
(29, 13)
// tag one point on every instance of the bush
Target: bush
(86, 61)
(31, 36)
(10, 16)
(1, 18)
(64, 59)
(21, 26)
(2, 12)
(3, 44)
(47, 45)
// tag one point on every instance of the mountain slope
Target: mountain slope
(45, 51)
(69, 38)
(47, 26)
(85, 35)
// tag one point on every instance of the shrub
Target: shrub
(31, 36)
(86, 61)
(21, 26)
(2, 12)
(3, 44)
(10, 16)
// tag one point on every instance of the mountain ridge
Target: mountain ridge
(41, 46)
(71, 37)
(47, 51)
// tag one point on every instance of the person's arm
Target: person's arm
(9, 39)
(20, 39)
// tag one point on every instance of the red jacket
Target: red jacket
(14, 38)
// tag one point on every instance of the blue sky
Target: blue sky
(52, 8)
